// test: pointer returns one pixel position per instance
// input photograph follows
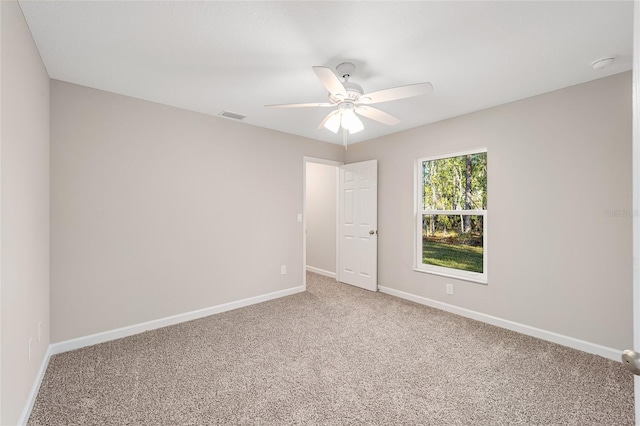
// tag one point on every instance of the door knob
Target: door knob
(372, 232)
(631, 360)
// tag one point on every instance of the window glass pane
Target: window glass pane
(455, 183)
(453, 241)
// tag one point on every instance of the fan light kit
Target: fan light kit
(349, 99)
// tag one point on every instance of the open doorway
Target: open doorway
(320, 217)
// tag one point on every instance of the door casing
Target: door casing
(306, 160)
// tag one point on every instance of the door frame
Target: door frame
(337, 165)
(636, 195)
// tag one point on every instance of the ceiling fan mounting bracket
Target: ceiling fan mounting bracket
(345, 69)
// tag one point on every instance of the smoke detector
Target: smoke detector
(603, 63)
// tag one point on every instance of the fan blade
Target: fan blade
(377, 115)
(330, 81)
(310, 104)
(396, 93)
(332, 125)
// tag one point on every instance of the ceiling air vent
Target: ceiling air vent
(232, 115)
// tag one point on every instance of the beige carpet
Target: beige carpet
(333, 355)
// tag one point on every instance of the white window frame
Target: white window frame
(482, 278)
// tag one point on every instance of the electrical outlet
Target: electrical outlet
(283, 269)
(450, 289)
(30, 340)
(39, 331)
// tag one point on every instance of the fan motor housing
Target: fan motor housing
(354, 90)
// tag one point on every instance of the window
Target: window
(451, 216)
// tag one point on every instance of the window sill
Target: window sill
(483, 281)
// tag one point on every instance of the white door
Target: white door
(358, 225)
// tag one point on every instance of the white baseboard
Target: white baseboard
(31, 399)
(105, 336)
(321, 271)
(581, 345)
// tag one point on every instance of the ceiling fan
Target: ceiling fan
(350, 99)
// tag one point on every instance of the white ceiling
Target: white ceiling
(239, 56)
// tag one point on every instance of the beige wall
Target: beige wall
(24, 212)
(157, 211)
(321, 216)
(557, 163)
